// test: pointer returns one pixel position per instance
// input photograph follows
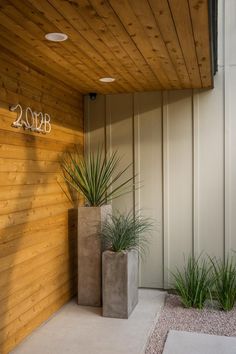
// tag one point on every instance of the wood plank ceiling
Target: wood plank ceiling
(144, 44)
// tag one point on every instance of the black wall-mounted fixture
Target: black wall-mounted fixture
(92, 96)
(213, 22)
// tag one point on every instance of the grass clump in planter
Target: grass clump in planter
(194, 282)
(125, 237)
(125, 232)
(94, 174)
(224, 282)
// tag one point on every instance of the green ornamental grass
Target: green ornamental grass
(194, 282)
(95, 175)
(125, 232)
(224, 287)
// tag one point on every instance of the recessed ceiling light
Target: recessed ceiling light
(107, 79)
(56, 37)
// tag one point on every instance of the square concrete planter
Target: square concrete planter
(120, 283)
(90, 254)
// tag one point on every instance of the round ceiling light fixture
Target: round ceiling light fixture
(56, 37)
(107, 79)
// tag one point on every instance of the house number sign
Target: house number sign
(30, 120)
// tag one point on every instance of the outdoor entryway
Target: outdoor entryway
(117, 175)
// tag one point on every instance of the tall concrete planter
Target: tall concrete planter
(90, 254)
(120, 283)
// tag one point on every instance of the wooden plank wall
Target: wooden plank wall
(37, 238)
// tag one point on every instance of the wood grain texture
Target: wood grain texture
(37, 233)
(145, 45)
(42, 313)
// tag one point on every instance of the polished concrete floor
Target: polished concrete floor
(82, 330)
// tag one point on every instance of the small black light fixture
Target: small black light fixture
(92, 96)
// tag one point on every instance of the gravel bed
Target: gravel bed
(174, 316)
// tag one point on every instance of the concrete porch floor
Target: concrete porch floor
(82, 330)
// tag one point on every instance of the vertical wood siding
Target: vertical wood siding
(37, 238)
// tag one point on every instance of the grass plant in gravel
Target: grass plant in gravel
(175, 317)
(193, 284)
(224, 282)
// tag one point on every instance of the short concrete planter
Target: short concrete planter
(90, 254)
(120, 283)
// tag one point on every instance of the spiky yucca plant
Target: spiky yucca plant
(125, 232)
(94, 175)
(224, 287)
(193, 283)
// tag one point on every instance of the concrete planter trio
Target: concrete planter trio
(104, 278)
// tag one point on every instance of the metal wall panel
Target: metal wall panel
(230, 124)
(185, 154)
(178, 179)
(209, 170)
(94, 113)
(119, 137)
(148, 166)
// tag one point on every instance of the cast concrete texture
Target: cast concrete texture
(179, 342)
(120, 283)
(90, 254)
(82, 330)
